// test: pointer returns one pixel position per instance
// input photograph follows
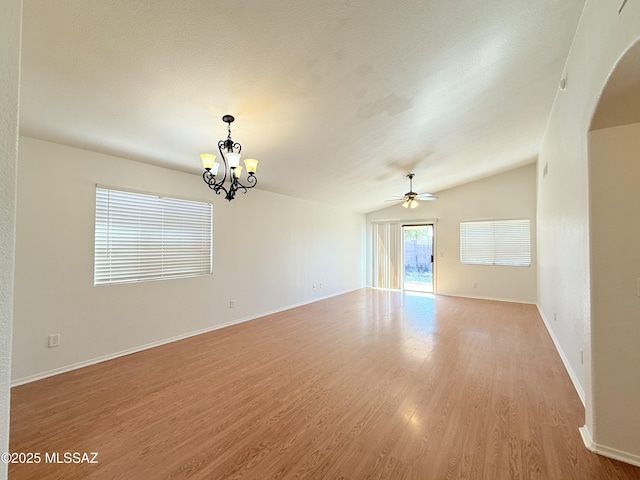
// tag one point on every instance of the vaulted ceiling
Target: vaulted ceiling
(338, 99)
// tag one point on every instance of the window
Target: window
(146, 237)
(496, 242)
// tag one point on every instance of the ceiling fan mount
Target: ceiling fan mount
(410, 192)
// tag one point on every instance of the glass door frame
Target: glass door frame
(426, 223)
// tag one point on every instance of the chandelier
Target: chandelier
(230, 153)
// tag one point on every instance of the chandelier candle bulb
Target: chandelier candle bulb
(252, 165)
(208, 161)
(237, 171)
(233, 159)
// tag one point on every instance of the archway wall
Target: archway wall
(614, 173)
(564, 289)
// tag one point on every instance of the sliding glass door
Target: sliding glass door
(417, 254)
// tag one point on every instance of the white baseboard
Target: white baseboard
(584, 431)
(494, 299)
(565, 360)
(510, 300)
(586, 437)
(607, 451)
(129, 351)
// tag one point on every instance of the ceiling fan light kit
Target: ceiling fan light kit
(230, 153)
(410, 203)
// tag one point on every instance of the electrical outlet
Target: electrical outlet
(232, 304)
(581, 356)
(313, 287)
(474, 284)
(54, 340)
(320, 284)
(555, 317)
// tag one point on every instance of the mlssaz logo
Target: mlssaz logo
(71, 457)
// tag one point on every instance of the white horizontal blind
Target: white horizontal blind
(145, 237)
(496, 242)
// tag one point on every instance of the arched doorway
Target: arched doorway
(614, 219)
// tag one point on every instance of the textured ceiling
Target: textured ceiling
(337, 99)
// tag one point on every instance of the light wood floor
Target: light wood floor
(367, 385)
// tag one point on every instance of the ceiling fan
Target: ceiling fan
(410, 199)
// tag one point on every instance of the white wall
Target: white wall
(509, 195)
(10, 28)
(563, 195)
(268, 251)
(614, 158)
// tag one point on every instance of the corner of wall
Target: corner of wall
(10, 35)
(607, 451)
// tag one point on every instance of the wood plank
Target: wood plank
(366, 385)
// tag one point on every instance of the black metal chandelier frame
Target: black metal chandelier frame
(229, 146)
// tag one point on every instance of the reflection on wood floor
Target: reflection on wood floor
(370, 384)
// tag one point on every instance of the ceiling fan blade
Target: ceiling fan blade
(430, 197)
